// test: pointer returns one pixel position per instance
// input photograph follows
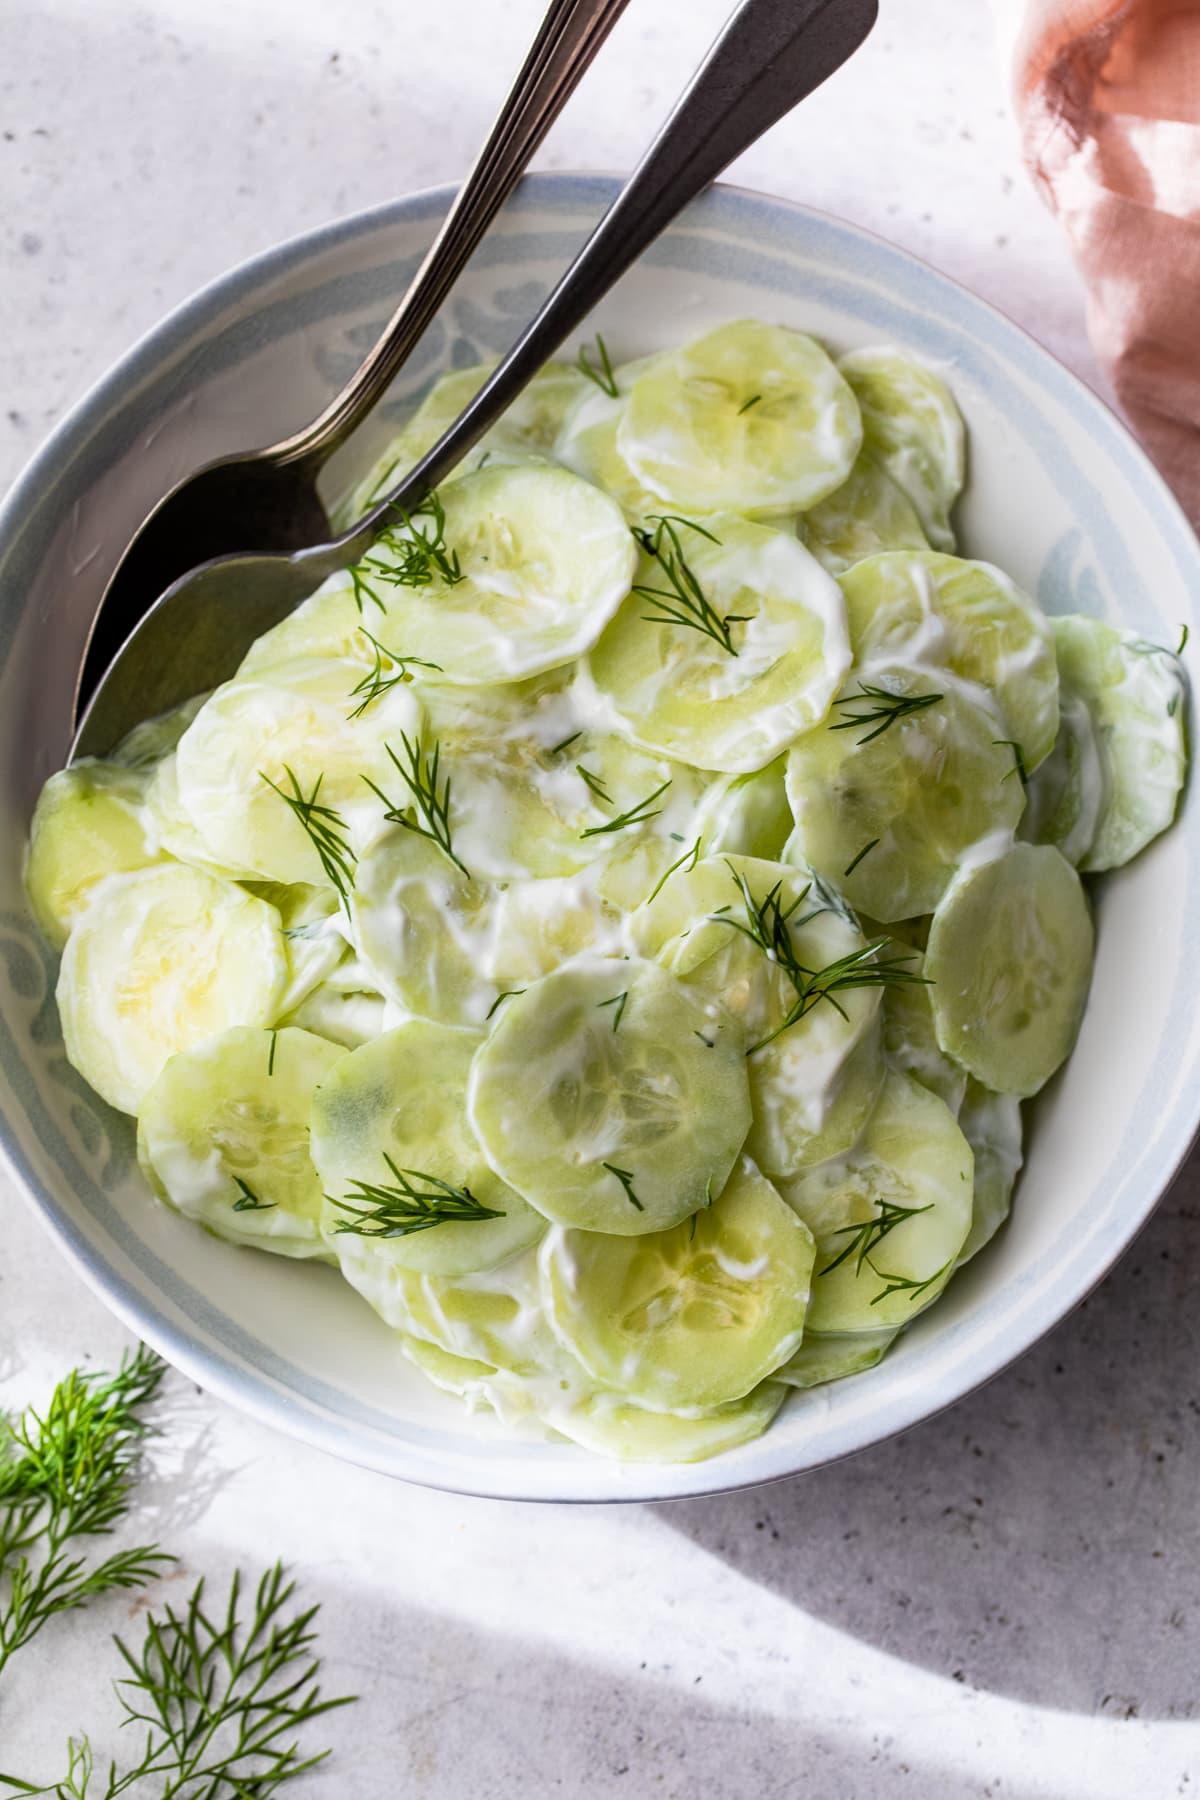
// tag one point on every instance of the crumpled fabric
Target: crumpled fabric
(1108, 101)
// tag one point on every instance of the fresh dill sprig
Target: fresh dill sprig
(65, 1475)
(417, 557)
(619, 1001)
(747, 404)
(1018, 767)
(429, 815)
(378, 681)
(271, 1052)
(362, 589)
(626, 1179)
(865, 851)
(508, 994)
(769, 924)
(866, 1237)
(327, 832)
(689, 860)
(217, 1697)
(594, 785)
(603, 375)
(557, 749)
(879, 707)
(248, 1200)
(399, 1208)
(638, 814)
(683, 601)
(903, 1284)
(1183, 638)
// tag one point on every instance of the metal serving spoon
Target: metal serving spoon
(770, 54)
(267, 500)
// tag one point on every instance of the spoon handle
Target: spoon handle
(770, 54)
(567, 42)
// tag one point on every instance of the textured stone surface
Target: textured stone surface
(1004, 1602)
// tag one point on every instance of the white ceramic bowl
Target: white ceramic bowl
(1059, 495)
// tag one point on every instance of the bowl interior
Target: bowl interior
(1058, 495)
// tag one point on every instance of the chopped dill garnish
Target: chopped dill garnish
(770, 925)
(683, 601)
(327, 832)
(556, 749)
(689, 858)
(1018, 767)
(248, 1200)
(865, 851)
(636, 815)
(879, 707)
(271, 1052)
(903, 1284)
(508, 994)
(602, 375)
(747, 404)
(594, 784)
(619, 1001)
(401, 1207)
(420, 772)
(416, 558)
(1183, 638)
(626, 1179)
(866, 1237)
(378, 682)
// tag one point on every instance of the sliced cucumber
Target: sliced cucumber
(1136, 694)
(821, 1359)
(733, 695)
(709, 926)
(611, 1097)
(611, 1426)
(391, 1118)
(1010, 960)
(424, 930)
(888, 813)
(912, 425)
(175, 834)
(747, 816)
(867, 514)
(162, 959)
(149, 742)
(751, 417)
(349, 1016)
(910, 1039)
(587, 442)
(223, 1136)
(90, 821)
(890, 1217)
(991, 1124)
(336, 624)
(312, 936)
(490, 1316)
(1066, 793)
(289, 727)
(458, 1375)
(545, 559)
(940, 612)
(539, 924)
(685, 1317)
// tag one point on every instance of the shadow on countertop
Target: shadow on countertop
(1042, 1538)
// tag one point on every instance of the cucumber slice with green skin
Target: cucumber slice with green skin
(807, 1102)
(991, 1124)
(685, 1317)
(615, 1428)
(457, 1375)
(223, 1137)
(888, 814)
(890, 1217)
(1136, 694)
(292, 721)
(538, 782)
(910, 1040)
(1010, 960)
(545, 561)
(90, 821)
(152, 740)
(611, 1097)
(867, 514)
(750, 417)
(748, 816)
(941, 612)
(1065, 796)
(913, 427)
(312, 936)
(821, 1359)
(332, 625)
(345, 1016)
(587, 442)
(398, 1105)
(424, 929)
(734, 700)
(162, 959)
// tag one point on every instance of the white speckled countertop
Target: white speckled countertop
(1004, 1602)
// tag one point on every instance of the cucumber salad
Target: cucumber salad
(616, 923)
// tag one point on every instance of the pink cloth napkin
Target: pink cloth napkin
(1108, 99)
